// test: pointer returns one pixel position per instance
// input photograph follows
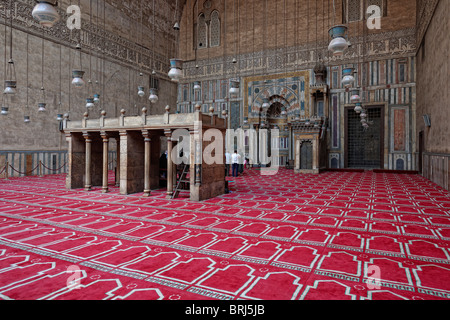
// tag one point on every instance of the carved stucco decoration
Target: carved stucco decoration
(388, 45)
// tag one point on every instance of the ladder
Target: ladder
(182, 179)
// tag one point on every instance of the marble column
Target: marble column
(298, 145)
(123, 162)
(105, 162)
(88, 162)
(117, 180)
(147, 161)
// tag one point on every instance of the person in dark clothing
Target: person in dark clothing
(163, 169)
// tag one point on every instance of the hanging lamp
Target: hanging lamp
(45, 13)
(90, 103)
(363, 114)
(141, 88)
(97, 44)
(234, 83)
(234, 87)
(355, 97)
(176, 65)
(42, 105)
(90, 100)
(26, 117)
(339, 42)
(10, 82)
(78, 74)
(153, 96)
(10, 87)
(96, 96)
(358, 107)
(141, 91)
(153, 90)
(176, 70)
(197, 85)
(348, 80)
(59, 116)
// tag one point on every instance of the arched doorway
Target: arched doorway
(275, 119)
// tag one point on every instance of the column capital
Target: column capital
(87, 136)
(168, 133)
(146, 134)
(104, 136)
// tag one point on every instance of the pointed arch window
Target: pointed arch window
(202, 32)
(215, 29)
(208, 30)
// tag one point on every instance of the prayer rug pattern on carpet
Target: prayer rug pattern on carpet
(279, 237)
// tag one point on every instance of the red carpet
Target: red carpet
(282, 237)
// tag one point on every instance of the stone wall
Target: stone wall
(433, 94)
(115, 50)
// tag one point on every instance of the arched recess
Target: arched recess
(277, 94)
(273, 115)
